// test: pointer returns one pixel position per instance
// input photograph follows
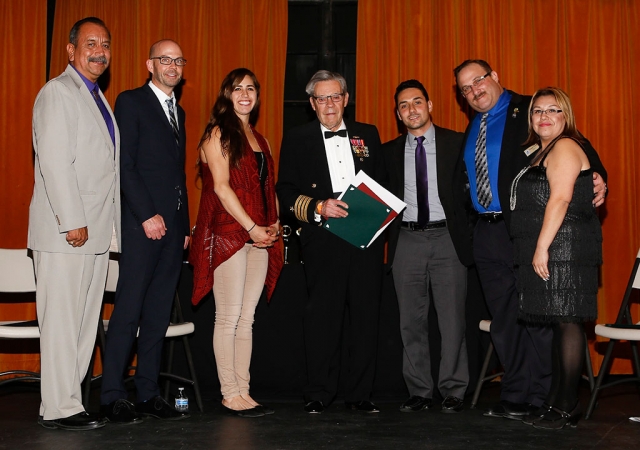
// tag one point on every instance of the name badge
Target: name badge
(531, 149)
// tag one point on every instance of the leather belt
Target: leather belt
(491, 217)
(413, 226)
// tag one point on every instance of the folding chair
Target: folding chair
(177, 328)
(485, 325)
(17, 277)
(622, 329)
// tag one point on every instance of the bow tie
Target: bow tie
(330, 134)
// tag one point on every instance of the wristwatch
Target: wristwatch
(317, 213)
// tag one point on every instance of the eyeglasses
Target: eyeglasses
(335, 98)
(475, 83)
(166, 61)
(546, 112)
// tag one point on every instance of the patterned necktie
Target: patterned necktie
(422, 183)
(482, 169)
(172, 119)
(105, 114)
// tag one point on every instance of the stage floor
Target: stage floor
(335, 429)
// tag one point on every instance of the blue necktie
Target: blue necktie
(105, 114)
(422, 183)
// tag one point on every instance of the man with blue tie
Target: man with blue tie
(492, 157)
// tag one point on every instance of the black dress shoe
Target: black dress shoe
(363, 405)
(556, 419)
(159, 408)
(508, 410)
(539, 413)
(121, 412)
(78, 422)
(314, 407)
(244, 413)
(452, 404)
(416, 403)
(266, 410)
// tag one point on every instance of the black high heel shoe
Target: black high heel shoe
(558, 421)
(538, 414)
(244, 413)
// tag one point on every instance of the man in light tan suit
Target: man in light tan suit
(74, 220)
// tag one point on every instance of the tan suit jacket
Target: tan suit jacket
(77, 177)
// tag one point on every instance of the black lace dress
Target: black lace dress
(570, 295)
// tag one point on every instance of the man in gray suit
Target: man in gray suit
(428, 250)
(74, 220)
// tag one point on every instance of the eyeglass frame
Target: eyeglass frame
(547, 112)
(323, 99)
(475, 83)
(172, 60)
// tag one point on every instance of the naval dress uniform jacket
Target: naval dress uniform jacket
(338, 275)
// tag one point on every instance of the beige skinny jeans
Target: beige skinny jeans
(237, 286)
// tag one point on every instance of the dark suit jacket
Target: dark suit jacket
(512, 157)
(448, 149)
(304, 170)
(152, 164)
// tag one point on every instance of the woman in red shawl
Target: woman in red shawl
(233, 244)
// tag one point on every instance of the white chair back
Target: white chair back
(636, 280)
(16, 271)
(112, 276)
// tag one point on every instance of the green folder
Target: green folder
(366, 216)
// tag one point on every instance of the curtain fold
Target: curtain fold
(588, 48)
(26, 52)
(216, 36)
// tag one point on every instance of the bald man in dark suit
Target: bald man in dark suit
(155, 231)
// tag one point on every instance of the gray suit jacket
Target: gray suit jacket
(452, 196)
(77, 178)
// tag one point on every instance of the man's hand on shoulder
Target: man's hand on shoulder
(77, 237)
(599, 190)
(154, 227)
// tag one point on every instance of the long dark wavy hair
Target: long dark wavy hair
(225, 118)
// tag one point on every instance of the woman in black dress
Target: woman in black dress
(557, 242)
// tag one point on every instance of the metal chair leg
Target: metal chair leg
(192, 370)
(483, 373)
(588, 363)
(604, 371)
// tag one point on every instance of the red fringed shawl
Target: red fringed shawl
(218, 236)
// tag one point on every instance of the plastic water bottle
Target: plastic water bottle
(182, 401)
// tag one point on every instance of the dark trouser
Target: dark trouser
(340, 277)
(423, 259)
(524, 351)
(149, 273)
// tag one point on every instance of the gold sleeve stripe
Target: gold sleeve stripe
(301, 207)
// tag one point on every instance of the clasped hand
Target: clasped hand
(264, 237)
